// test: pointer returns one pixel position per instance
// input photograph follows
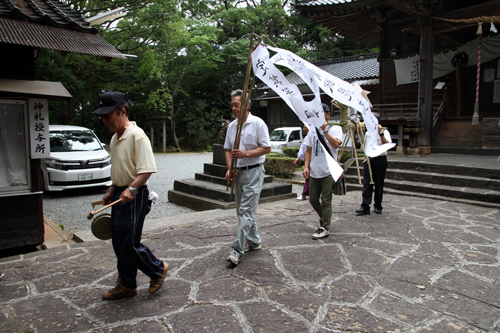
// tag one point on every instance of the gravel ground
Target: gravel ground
(70, 208)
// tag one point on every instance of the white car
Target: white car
(77, 159)
(285, 137)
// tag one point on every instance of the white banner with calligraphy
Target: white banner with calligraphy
(38, 113)
(311, 112)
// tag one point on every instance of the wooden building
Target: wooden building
(25, 27)
(429, 30)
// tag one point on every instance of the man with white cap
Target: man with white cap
(132, 163)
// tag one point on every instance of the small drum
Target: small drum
(101, 226)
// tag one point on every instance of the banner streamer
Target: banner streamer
(311, 112)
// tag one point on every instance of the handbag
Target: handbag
(339, 187)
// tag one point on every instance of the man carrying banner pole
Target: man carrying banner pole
(317, 170)
(254, 145)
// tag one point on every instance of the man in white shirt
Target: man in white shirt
(316, 168)
(254, 145)
(378, 165)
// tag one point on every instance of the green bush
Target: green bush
(291, 152)
(281, 167)
(276, 155)
(347, 155)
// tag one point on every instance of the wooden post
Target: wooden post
(459, 89)
(425, 83)
(164, 136)
(400, 137)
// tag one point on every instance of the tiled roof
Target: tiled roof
(53, 25)
(305, 3)
(347, 68)
(47, 12)
(362, 69)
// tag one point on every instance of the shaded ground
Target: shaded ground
(421, 266)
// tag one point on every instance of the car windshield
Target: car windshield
(279, 135)
(73, 141)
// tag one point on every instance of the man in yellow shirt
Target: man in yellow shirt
(132, 163)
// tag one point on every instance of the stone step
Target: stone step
(439, 142)
(435, 189)
(216, 170)
(436, 178)
(222, 180)
(466, 150)
(429, 167)
(199, 203)
(218, 192)
(356, 187)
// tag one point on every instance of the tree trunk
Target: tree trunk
(172, 127)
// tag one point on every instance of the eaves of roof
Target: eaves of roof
(48, 12)
(53, 25)
(60, 39)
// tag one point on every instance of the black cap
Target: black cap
(109, 101)
(326, 108)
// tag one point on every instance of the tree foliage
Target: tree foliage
(189, 56)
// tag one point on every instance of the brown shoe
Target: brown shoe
(119, 291)
(156, 284)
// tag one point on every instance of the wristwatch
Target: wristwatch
(134, 191)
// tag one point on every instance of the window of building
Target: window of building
(14, 149)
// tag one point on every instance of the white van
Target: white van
(285, 137)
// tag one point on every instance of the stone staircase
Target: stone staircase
(208, 189)
(467, 184)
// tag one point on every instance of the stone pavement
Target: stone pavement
(422, 266)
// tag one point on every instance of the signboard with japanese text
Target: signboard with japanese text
(38, 113)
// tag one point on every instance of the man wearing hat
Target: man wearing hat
(132, 163)
(317, 171)
(378, 166)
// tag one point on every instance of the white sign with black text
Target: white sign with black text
(38, 113)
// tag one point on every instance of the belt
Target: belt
(249, 167)
(378, 157)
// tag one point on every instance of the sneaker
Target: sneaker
(234, 257)
(155, 284)
(251, 246)
(320, 233)
(302, 197)
(120, 291)
(1, 275)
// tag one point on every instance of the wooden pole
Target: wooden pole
(459, 88)
(367, 158)
(243, 110)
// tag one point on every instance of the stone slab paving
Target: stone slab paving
(421, 266)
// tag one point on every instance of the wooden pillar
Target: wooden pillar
(400, 137)
(459, 89)
(425, 83)
(164, 136)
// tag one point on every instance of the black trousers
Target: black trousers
(127, 222)
(379, 166)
